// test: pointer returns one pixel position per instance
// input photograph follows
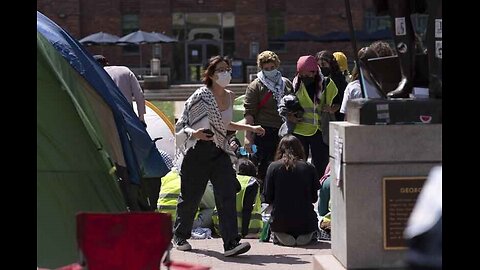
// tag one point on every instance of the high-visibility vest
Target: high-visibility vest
(255, 224)
(311, 118)
(169, 192)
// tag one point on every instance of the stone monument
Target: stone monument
(383, 152)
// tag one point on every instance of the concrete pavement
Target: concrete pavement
(209, 252)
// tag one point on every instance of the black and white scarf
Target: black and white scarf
(276, 86)
(199, 105)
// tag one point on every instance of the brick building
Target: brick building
(240, 29)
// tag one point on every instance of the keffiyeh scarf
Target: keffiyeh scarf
(276, 86)
(199, 105)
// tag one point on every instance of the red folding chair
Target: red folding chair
(129, 241)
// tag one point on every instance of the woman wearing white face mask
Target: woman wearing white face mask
(262, 97)
(203, 153)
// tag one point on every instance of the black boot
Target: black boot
(404, 38)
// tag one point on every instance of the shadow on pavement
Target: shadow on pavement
(248, 258)
(263, 259)
(321, 244)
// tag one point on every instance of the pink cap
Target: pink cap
(307, 63)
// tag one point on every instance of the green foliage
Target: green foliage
(167, 107)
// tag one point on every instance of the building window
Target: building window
(254, 49)
(276, 28)
(228, 28)
(130, 23)
(178, 20)
(375, 23)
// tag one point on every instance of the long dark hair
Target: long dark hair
(246, 167)
(290, 149)
(211, 66)
(364, 54)
(328, 57)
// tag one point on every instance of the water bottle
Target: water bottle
(244, 151)
(265, 233)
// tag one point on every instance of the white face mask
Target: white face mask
(223, 78)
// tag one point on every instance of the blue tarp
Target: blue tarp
(359, 35)
(141, 154)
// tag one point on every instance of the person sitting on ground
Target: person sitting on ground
(324, 205)
(248, 203)
(168, 196)
(291, 187)
(128, 84)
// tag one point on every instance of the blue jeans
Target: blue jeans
(324, 197)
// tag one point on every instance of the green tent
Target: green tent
(74, 171)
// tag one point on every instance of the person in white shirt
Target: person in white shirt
(128, 84)
(353, 89)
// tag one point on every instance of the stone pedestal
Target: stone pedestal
(370, 153)
(394, 111)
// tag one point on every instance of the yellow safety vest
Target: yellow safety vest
(255, 225)
(169, 192)
(311, 118)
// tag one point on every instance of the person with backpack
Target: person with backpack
(249, 216)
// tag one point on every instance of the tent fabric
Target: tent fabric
(141, 156)
(158, 126)
(74, 169)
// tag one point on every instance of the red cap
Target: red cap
(307, 63)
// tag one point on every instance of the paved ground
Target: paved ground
(209, 252)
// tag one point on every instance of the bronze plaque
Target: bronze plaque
(399, 197)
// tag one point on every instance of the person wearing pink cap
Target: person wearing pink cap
(308, 86)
